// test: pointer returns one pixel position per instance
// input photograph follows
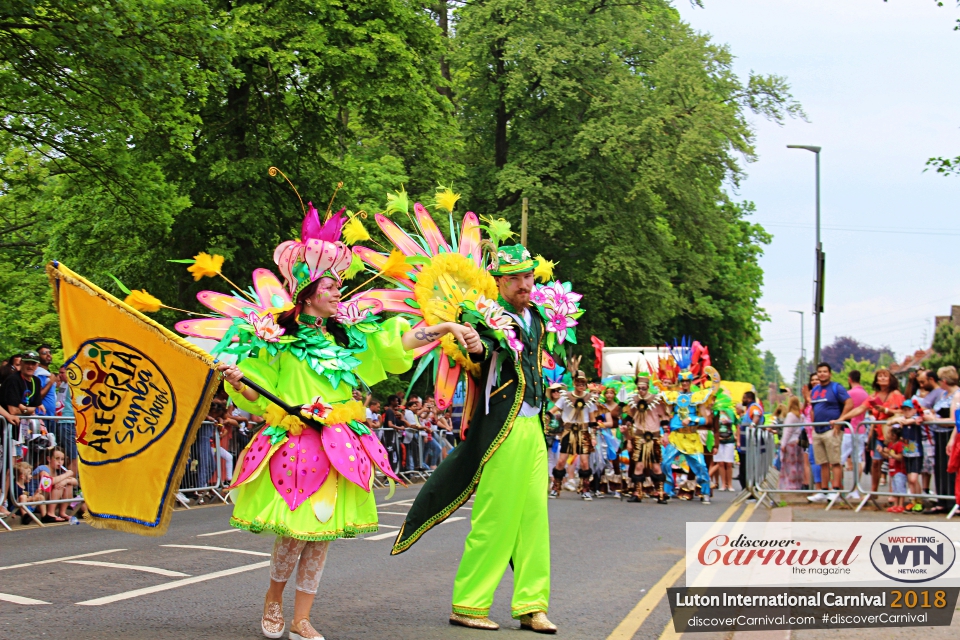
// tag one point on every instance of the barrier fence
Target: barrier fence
(939, 475)
(762, 476)
(209, 469)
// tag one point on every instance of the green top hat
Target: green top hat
(513, 259)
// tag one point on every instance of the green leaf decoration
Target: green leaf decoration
(119, 284)
(185, 261)
(415, 260)
(411, 303)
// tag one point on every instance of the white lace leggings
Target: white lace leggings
(311, 555)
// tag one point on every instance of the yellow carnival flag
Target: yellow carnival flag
(139, 395)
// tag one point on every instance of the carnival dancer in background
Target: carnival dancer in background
(578, 411)
(646, 451)
(684, 438)
(322, 492)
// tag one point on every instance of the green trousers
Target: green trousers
(509, 520)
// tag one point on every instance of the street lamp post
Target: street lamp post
(803, 349)
(820, 259)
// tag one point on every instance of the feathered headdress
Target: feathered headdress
(682, 353)
(318, 253)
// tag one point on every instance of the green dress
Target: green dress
(330, 504)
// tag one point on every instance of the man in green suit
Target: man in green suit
(504, 460)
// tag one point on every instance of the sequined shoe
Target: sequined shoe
(473, 623)
(537, 621)
(303, 630)
(272, 624)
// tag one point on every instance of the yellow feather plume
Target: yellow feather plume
(143, 301)
(354, 232)
(395, 266)
(356, 266)
(205, 265)
(544, 270)
(446, 198)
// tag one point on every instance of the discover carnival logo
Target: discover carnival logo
(912, 554)
(745, 551)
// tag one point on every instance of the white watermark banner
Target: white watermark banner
(753, 554)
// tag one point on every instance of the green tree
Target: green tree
(621, 124)
(946, 347)
(866, 368)
(771, 372)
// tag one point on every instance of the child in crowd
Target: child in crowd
(893, 453)
(64, 481)
(26, 490)
(911, 434)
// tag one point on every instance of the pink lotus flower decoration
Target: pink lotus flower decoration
(265, 327)
(349, 312)
(559, 323)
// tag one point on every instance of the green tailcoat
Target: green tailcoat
(456, 478)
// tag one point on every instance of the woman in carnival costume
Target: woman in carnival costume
(308, 483)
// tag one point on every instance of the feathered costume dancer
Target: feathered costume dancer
(684, 439)
(577, 410)
(502, 457)
(308, 481)
(647, 410)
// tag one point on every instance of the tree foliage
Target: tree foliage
(844, 347)
(621, 125)
(946, 347)
(136, 132)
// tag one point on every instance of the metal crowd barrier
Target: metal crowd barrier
(200, 475)
(194, 479)
(763, 478)
(32, 446)
(870, 495)
(4, 474)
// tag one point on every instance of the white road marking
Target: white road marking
(132, 567)
(217, 533)
(126, 595)
(6, 597)
(382, 536)
(390, 534)
(391, 513)
(82, 555)
(388, 526)
(390, 504)
(204, 548)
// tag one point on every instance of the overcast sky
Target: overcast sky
(879, 84)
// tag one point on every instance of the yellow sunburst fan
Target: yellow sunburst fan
(442, 285)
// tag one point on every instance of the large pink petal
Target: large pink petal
(399, 237)
(253, 456)
(210, 328)
(470, 238)
(378, 454)
(227, 305)
(269, 289)
(392, 300)
(431, 233)
(347, 454)
(299, 467)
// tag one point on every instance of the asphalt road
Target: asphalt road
(605, 555)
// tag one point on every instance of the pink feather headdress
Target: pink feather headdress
(318, 253)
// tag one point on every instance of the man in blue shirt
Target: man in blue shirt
(829, 400)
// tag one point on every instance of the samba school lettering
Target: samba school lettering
(130, 399)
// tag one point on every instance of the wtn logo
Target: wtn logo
(912, 554)
(899, 554)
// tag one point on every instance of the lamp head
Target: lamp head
(804, 146)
